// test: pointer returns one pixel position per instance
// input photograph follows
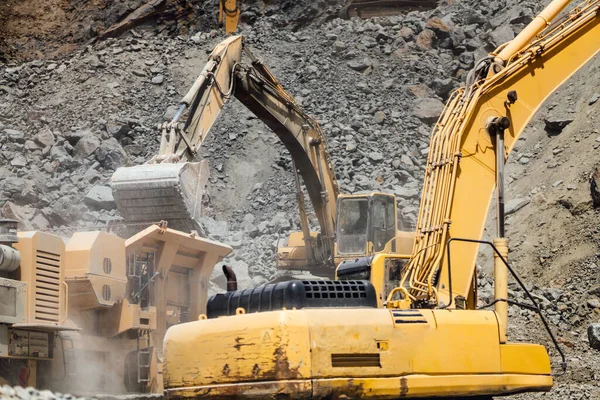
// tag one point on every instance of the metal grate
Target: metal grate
(356, 360)
(408, 317)
(326, 289)
(47, 286)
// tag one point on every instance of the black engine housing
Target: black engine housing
(293, 294)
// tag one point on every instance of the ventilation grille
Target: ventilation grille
(47, 286)
(327, 289)
(408, 317)
(356, 360)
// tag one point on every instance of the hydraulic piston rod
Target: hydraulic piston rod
(496, 128)
(541, 21)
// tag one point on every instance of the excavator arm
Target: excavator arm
(148, 192)
(204, 101)
(466, 157)
(262, 94)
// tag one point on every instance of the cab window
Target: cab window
(383, 224)
(352, 226)
(394, 268)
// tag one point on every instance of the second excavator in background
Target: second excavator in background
(229, 14)
(170, 186)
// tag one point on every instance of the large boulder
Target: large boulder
(110, 154)
(213, 228)
(11, 186)
(594, 335)
(428, 110)
(15, 135)
(45, 137)
(21, 214)
(65, 211)
(501, 35)
(441, 28)
(60, 154)
(554, 126)
(360, 65)
(86, 146)
(100, 198)
(425, 39)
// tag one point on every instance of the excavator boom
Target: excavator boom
(170, 186)
(512, 83)
(258, 90)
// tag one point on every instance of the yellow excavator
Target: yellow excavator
(168, 189)
(330, 339)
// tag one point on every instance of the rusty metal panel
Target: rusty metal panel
(271, 346)
(13, 299)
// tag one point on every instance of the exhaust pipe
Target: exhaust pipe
(231, 278)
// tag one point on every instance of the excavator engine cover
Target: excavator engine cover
(171, 191)
(294, 295)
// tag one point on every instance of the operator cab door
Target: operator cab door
(352, 234)
(365, 224)
(382, 222)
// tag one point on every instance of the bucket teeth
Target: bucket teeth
(153, 192)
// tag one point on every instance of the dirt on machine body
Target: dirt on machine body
(425, 335)
(88, 314)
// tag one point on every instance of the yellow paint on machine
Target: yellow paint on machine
(229, 13)
(267, 346)
(326, 353)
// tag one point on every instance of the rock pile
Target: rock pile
(376, 87)
(29, 393)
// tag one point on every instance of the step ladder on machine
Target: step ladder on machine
(143, 358)
(141, 273)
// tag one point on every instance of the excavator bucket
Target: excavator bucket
(166, 188)
(172, 192)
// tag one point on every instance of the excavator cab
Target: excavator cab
(366, 224)
(368, 245)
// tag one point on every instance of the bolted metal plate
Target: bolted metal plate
(155, 192)
(8, 231)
